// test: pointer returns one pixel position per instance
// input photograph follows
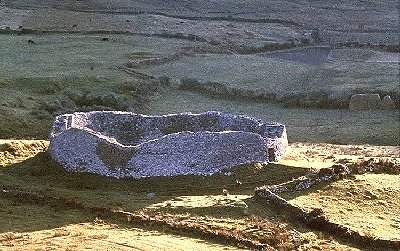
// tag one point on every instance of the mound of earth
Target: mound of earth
(368, 203)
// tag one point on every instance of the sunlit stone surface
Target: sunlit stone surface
(123, 144)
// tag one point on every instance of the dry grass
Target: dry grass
(190, 205)
(9, 236)
(194, 205)
(12, 151)
(98, 235)
(317, 155)
(367, 203)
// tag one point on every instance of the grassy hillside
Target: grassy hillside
(65, 72)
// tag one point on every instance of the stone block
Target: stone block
(364, 102)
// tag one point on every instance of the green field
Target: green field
(314, 73)
(338, 126)
(62, 73)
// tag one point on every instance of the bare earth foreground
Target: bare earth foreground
(43, 207)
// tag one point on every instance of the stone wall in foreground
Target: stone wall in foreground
(122, 144)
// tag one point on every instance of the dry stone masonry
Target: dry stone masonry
(370, 102)
(364, 102)
(123, 144)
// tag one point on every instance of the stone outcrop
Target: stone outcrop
(387, 103)
(364, 102)
(123, 144)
